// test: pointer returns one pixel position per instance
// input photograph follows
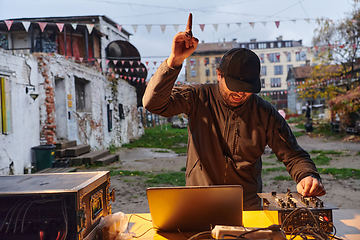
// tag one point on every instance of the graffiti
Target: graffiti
(46, 42)
(4, 42)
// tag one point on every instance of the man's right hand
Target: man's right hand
(184, 44)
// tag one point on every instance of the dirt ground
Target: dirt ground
(130, 191)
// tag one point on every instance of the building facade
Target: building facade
(276, 57)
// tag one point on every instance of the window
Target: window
(214, 71)
(263, 71)
(274, 57)
(279, 44)
(4, 42)
(275, 82)
(5, 107)
(261, 56)
(193, 73)
(217, 60)
(272, 45)
(82, 91)
(288, 68)
(278, 70)
(206, 61)
(288, 56)
(300, 56)
(287, 44)
(263, 83)
(207, 72)
(243, 45)
(251, 45)
(192, 62)
(261, 45)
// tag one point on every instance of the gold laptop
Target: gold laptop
(189, 209)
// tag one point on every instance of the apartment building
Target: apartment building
(276, 57)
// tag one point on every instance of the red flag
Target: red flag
(60, 26)
(119, 27)
(155, 63)
(42, 25)
(8, 23)
(277, 23)
(147, 63)
(202, 26)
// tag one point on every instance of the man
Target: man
(229, 126)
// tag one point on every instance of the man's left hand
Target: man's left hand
(310, 187)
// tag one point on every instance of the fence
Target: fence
(149, 119)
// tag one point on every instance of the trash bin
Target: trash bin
(44, 156)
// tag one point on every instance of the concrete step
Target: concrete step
(62, 144)
(90, 157)
(77, 150)
(107, 160)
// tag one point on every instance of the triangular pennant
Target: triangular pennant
(90, 27)
(42, 25)
(264, 23)
(154, 63)
(130, 78)
(148, 27)
(277, 23)
(122, 62)
(138, 69)
(107, 61)
(163, 27)
(139, 63)
(74, 25)
(252, 24)
(134, 27)
(147, 63)
(126, 69)
(81, 59)
(132, 70)
(143, 69)
(115, 62)
(26, 25)
(239, 24)
(228, 25)
(215, 26)
(99, 60)
(294, 20)
(8, 23)
(131, 62)
(202, 26)
(308, 20)
(176, 27)
(119, 27)
(60, 26)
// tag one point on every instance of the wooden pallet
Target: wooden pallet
(57, 170)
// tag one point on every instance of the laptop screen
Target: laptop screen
(195, 208)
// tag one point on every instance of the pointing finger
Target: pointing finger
(189, 25)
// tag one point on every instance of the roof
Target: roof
(91, 19)
(220, 47)
(302, 72)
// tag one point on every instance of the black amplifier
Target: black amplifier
(296, 212)
(53, 205)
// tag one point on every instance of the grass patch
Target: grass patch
(183, 169)
(156, 137)
(298, 134)
(326, 152)
(113, 149)
(268, 164)
(272, 155)
(358, 153)
(275, 169)
(322, 159)
(173, 178)
(283, 178)
(341, 173)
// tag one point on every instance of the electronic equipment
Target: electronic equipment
(195, 208)
(299, 211)
(53, 205)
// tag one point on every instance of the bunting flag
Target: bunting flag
(163, 27)
(239, 24)
(139, 63)
(252, 24)
(308, 20)
(107, 62)
(228, 25)
(8, 23)
(81, 59)
(119, 27)
(26, 25)
(122, 62)
(131, 62)
(148, 27)
(215, 26)
(99, 60)
(74, 25)
(90, 27)
(154, 63)
(134, 27)
(264, 23)
(115, 62)
(132, 70)
(277, 24)
(143, 69)
(176, 27)
(42, 25)
(147, 63)
(202, 26)
(60, 26)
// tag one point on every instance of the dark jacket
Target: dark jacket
(225, 144)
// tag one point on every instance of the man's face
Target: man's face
(233, 99)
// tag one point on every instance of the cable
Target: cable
(145, 232)
(201, 234)
(17, 205)
(2, 225)
(17, 217)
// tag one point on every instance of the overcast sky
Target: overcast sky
(230, 17)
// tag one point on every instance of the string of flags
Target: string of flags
(149, 27)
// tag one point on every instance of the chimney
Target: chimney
(279, 38)
(234, 40)
(253, 40)
(223, 39)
